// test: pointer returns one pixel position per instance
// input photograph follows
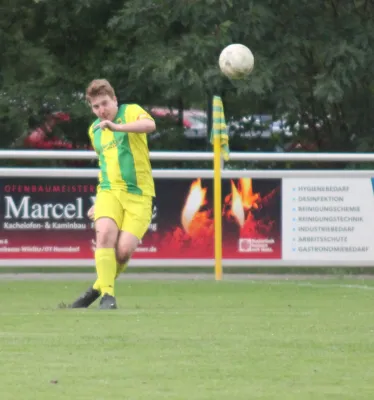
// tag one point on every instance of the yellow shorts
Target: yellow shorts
(131, 212)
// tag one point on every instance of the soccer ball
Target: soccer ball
(236, 61)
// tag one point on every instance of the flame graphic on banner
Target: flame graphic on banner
(241, 207)
(242, 200)
(237, 206)
(196, 198)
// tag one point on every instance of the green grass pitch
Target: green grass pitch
(189, 340)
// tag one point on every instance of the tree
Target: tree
(313, 62)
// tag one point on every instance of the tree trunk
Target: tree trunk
(180, 112)
(210, 116)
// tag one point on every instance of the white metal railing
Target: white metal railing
(190, 156)
(206, 173)
(188, 173)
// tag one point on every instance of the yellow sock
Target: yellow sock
(106, 267)
(96, 285)
(120, 269)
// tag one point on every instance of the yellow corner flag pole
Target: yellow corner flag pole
(217, 209)
(219, 138)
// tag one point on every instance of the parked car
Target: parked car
(195, 122)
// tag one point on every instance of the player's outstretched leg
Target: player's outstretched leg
(93, 292)
(86, 299)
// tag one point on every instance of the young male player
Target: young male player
(123, 206)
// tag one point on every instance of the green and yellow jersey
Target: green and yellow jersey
(124, 156)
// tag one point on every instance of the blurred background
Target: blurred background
(311, 88)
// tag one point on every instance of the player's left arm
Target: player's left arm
(140, 122)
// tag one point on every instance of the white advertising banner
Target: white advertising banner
(269, 218)
(328, 219)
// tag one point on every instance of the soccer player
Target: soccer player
(123, 206)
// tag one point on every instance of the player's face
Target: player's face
(104, 107)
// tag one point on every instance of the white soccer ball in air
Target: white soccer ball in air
(236, 61)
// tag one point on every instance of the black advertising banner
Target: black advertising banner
(46, 218)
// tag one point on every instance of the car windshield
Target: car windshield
(198, 118)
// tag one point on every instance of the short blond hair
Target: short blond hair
(99, 87)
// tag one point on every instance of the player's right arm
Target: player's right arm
(137, 121)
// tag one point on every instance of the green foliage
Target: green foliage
(313, 64)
